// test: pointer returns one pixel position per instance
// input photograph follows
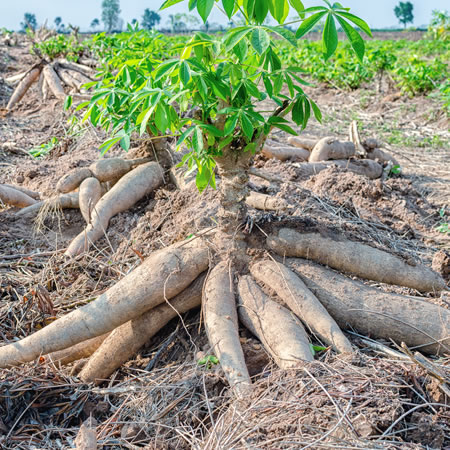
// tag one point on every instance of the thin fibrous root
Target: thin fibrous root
(54, 83)
(330, 148)
(221, 323)
(357, 259)
(90, 193)
(123, 195)
(300, 300)
(265, 202)
(161, 276)
(15, 197)
(375, 313)
(125, 341)
(303, 142)
(276, 327)
(284, 153)
(64, 201)
(24, 85)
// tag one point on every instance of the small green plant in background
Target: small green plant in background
(44, 149)
(208, 361)
(444, 226)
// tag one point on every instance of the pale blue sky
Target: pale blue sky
(378, 13)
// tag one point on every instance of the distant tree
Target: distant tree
(150, 19)
(60, 27)
(404, 13)
(29, 20)
(95, 23)
(110, 14)
(133, 21)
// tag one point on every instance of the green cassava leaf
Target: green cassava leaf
(260, 10)
(169, 3)
(260, 40)
(185, 73)
(353, 36)
(329, 37)
(309, 23)
(357, 21)
(298, 6)
(228, 6)
(204, 8)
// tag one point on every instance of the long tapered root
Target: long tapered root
(266, 202)
(162, 276)
(330, 148)
(357, 259)
(127, 339)
(54, 82)
(375, 313)
(90, 194)
(24, 85)
(283, 153)
(300, 300)
(15, 197)
(64, 201)
(221, 323)
(276, 327)
(124, 194)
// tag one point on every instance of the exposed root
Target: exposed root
(24, 85)
(162, 276)
(277, 328)
(285, 153)
(42, 208)
(123, 195)
(303, 142)
(54, 82)
(15, 197)
(365, 167)
(375, 313)
(300, 300)
(357, 259)
(71, 180)
(32, 194)
(221, 323)
(90, 194)
(266, 202)
(330, 148)
(125, 341)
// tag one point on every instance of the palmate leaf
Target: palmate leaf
(357, 21)
(330, 37)
(260, 40)
(309, 23)
(353, 36)
(204, 8)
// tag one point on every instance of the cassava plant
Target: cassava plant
(209, 96)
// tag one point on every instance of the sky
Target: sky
(378, 13)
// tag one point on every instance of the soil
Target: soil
(163, 398)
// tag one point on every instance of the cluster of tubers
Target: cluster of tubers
(366, 158)
(51, 79)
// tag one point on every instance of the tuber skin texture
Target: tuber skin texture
(221, 323)
(15, 197)
(375, 313)
(285, 153)
(89, 195)
(24, 85)
(330, 148)
(161, 276)
(32, 194)
(265, 202)
(357, 259)
(113, 168)
(72, 180)
(377, 154)
(301, 301)
(303, 142)
(276, 327)
(364, 167)
(54, 82)
(123, 343)
(123, 195)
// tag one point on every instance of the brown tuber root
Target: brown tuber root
(15, 197)
(284, 153)
(265, 202)
(330, 148)
(356, 258)
(277, 328)
(24, 85)
(90, 193)
(64, 201)
(300, 300)
(72, 180)
(126, 340)
(377, 154)
(32, 194)
(364, 167)
(54, 83)
(303, 142)
(161, 276)
(114, 168)
(221, 323)
(375, 313)
(123, 195)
